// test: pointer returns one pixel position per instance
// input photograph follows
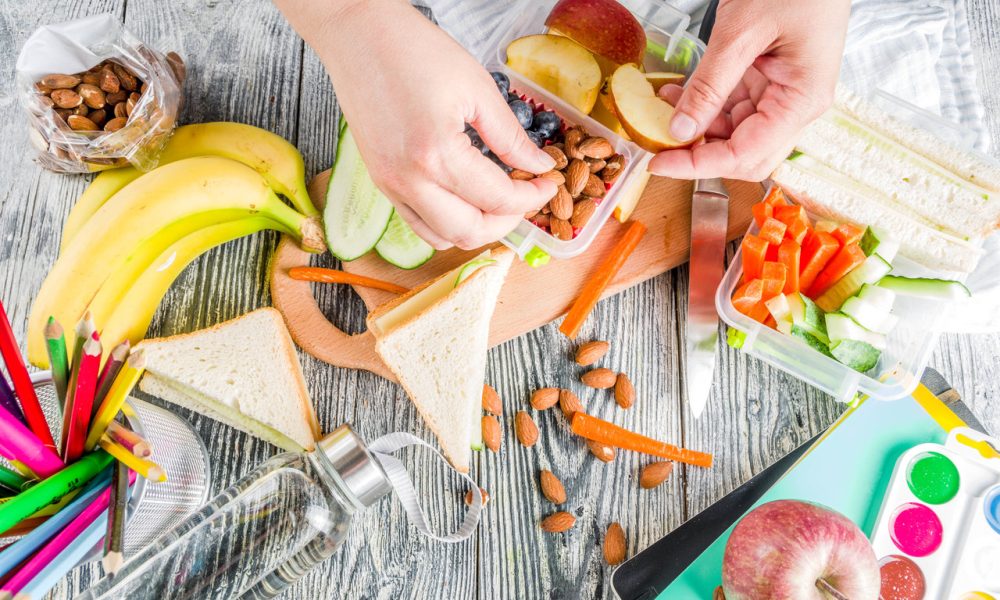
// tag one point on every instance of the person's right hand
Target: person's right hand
(408, 90)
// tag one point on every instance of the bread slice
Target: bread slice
(434, 339)
(244, 372)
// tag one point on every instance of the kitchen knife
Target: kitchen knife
(709, 221)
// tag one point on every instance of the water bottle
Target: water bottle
(263, 533)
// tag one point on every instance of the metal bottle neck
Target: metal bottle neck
(357, 468)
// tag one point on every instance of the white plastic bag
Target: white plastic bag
(75, 47)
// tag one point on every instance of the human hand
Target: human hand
(408, 90)
(770, 69)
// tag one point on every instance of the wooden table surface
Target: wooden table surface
(245, 64)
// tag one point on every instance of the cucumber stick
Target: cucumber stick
(357, 213)
(873, 269)
(940, 289)
(842, 327)
(871, 307)
(401, 247)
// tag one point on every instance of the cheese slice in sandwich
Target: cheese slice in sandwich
(244, 372)
(435, 339)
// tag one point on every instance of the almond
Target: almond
(562, 204)
(655, 473)
(542, 220)
(91, 78)
(491, 400)
(109, 81)
(624, 391)
(116, 97)
(554, 176)
(486, 497)
(133, 99)
(531, 214)
(491, 433)
(599, 378)
(81, 123)
(613, 169)
(569, 403)
(577, 174)
(60, 82)
(572, 139)
(561, 228)
(115, 124)
(594, 187)
(596, 165)
(552, 488)
(558, 522)
(521, 175)
(596, 147)
(583, 211)
(525, 429)
(177, 66)
(544, 398)
(98, 117)
(614, 544)
(557, 155)
(92, 95)
(603, 452)
(121, 111)
(591, 352)
(66, 98)
(127, 79)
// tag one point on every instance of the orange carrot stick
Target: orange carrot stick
(596, 285)
(334, 276)
(604, 432)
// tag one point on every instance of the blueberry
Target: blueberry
(522, 111)
(503, 82)
(477, 142)
(546, 123)
(537, 138)
(503, 93)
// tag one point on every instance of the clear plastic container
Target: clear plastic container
(665, 32)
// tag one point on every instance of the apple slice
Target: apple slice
(604, 27)
(659, 79)
(559, 65)
(643, 114)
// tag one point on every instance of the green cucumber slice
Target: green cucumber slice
(782, 313)
(401, 247)
(814, 342)
(871, 307)
(356, 212)
(807, 317)
(476, 437)
(873, 269)
(842, 327)
(860, 356)
(873, 242)
(938, 289)
(471, 267)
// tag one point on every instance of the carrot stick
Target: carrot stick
(596, 285)
(334, 276)
(598, 430)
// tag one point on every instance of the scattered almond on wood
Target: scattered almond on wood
(558, 522)
(552, 488)
(569, 403)
(491, 433)
(655, 473)
(491, 400)
(603, 452)
(614, 544)
(599, 378)
(486, 496)
(591, 352)
(624, 391)
(525, 429)
(544, 398)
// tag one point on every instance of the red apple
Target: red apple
(794, 550)
(604, 27)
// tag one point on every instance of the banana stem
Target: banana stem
(307, 229)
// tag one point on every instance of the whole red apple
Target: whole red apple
(794, 550)
(604, 27)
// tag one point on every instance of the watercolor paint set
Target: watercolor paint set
(938, 530)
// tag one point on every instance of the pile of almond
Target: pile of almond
(586, 167)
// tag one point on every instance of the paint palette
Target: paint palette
(938, 531)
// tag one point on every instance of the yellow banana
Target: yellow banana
(278, 161)
(127, 315)
(164, 199)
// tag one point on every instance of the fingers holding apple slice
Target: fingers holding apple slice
(645, 116)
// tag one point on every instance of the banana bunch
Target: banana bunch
(131, 234)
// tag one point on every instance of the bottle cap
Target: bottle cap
(359, 470)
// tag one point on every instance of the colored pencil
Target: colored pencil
(112, 366)
(112, 403)
(131, 440)
(22, 382)
(23, 548)
(39, 495)
(115, 533)
(22, 445)
(11, 480)
(55, 344)
(80, 402)
(81, 335)
(9, 401)
(143, 466)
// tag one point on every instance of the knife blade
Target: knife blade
(709, 222)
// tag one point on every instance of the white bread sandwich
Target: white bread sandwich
(244, 373)
(435, 338)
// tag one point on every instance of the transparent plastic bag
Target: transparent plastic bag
(74, 48)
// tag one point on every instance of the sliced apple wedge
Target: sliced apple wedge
(659, 79)
(559, 65)
(643, 114)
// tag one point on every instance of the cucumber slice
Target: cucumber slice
(807, 316)
(873, 242)
(814, 342)
(476, 438)
(842, 327)
(873, 269)
(782, 313)
(356, 212)
(871, 307)
(400, 247)
(939, 289)
(859, 356)
(471, 267)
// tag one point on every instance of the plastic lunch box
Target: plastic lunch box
(909, 345)
(665, 29)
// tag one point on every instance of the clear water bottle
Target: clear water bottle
(262, 534)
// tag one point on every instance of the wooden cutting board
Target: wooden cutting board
(665, 209)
